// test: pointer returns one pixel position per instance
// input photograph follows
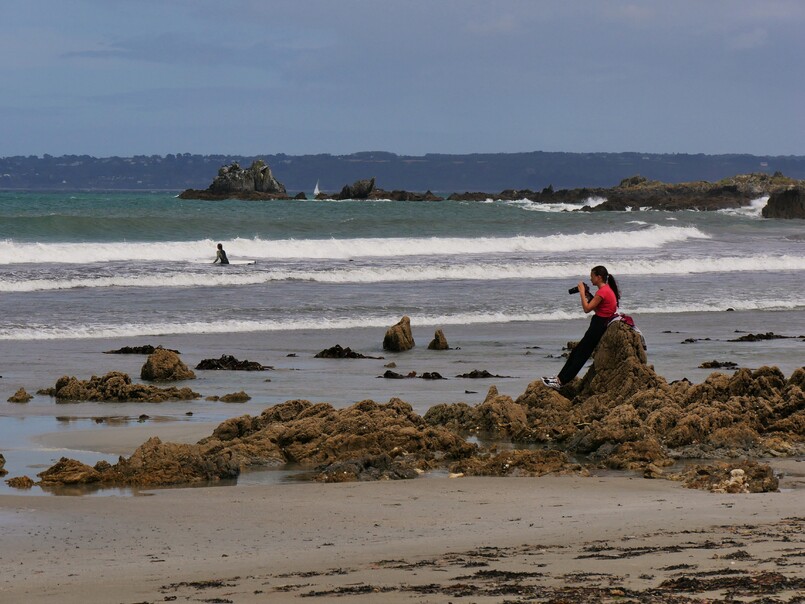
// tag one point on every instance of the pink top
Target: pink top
(609, 303)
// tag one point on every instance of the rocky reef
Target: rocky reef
(258, 183)
(114, 387)
(619, 415)
(227, 362)
(366, 189)
(639, 192)
(233, 182)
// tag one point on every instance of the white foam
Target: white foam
(476, 271)
(45, 332)
(12, 252)
(753, 210)
(533, 206)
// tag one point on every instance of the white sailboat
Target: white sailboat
(316, 190)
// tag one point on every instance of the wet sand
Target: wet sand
(592, 539)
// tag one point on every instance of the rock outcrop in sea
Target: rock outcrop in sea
(787, 203)
(233, 182)
(258, 183)
(366, 189)
(621, 414)
(639, 192)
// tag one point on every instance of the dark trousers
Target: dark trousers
(583, 350)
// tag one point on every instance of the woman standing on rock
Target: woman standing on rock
(605, 304)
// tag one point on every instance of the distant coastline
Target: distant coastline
(440, 173)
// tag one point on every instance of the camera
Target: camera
(587, 294)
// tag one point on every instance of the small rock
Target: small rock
(21, 396)
(163, 366)
(398, 337)
(439, 342)
(20, 482)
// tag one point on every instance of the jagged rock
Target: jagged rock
(69, 471)
(115, 387)
(518, 463)
(257, 177)
(20, 396)
(758, 337)
(300, 196)
(20, 482)
(302, 432)
(398, 195)
(739, 477)
(480, 374)
(295, 431)
(426, 375)
(256, 182)
(153, 463)
(458, 417)
(620, 412)
(3, 471)
(338, 352)
(360, 189)
(146, 349)
(788, 203)
(165, 366)
(377, 467)
(236, 397)
(392, 375)
(439, 342)
(637, 191)
(718, 365)
(398, 337)
(230, 363)
(500, 416)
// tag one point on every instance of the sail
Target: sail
(316, 190)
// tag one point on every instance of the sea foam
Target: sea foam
(12, 252)
(51, 332)
(472, 270)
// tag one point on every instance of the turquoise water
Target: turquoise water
(125, 264)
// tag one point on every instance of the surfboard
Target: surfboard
(236, 262)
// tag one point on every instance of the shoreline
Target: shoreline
(406, 539)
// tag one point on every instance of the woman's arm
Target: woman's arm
(592, 304)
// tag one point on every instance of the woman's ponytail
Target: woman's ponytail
(602, 272)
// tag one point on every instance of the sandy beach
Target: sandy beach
(601, 538)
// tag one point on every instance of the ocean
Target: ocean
(82, 273)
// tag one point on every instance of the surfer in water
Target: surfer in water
(220, 255)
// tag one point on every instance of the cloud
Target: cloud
(748, 40)
(501, 24)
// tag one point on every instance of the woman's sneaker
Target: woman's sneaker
(552, 382)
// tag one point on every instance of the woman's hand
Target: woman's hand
(585, 305)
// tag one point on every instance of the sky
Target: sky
(251, 77)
